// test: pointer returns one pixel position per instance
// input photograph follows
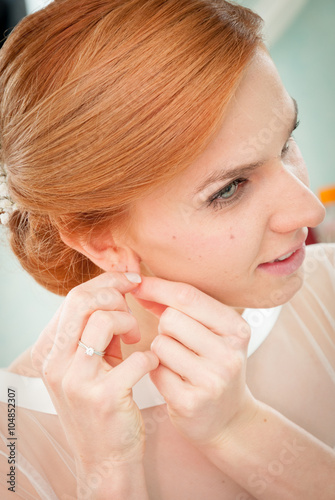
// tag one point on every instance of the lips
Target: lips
(286, 263)
(287, 254)
(279, 259)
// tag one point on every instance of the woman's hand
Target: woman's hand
(202, 349)
(93, 394)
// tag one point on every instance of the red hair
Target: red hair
(103, 100)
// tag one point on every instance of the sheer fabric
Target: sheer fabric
(293, 370)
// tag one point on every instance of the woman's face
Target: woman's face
(215, 224)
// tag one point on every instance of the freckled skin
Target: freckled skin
(219, 250)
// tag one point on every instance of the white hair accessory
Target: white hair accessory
(7, 206)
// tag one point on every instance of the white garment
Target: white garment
(292, 370)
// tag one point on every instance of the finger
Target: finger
(191, 334)
(219, 318)
(185, 363)
(113, 355)
(80, 303)
(102, 325)
(124, 376)
(99, 333)
(177, 358)
(152, 307)
(121, 281)
(171, 386)
(202, 341)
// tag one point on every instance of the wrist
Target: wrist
(241, 424)
(273, 457)
(111, 479)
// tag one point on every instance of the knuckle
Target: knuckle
(69, 330)
(244, 330)
(159, 344)
(114, 278)
(116, 296)
(110, 297)
(140, 360)
(132, 322)
(235, 364)
(101, 319)
(104, 297)
(168, 318)
(79, 297)
(215, 385)
(189, 404)
(187, 294)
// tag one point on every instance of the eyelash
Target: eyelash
(216, 203)
(287, 144)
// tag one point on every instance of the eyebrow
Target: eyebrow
(242, 170)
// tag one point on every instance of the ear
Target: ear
(105, 252)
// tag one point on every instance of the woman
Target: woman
(147, 146)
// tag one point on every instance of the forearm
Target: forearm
(274, 458)
(106, 481)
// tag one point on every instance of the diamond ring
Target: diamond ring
(89, 350)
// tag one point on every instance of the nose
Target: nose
(294, 205)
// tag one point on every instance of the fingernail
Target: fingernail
(133, 277)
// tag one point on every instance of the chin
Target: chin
(274, 295)
(280, 294)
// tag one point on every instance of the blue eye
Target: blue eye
(228, 194)
(229, 190)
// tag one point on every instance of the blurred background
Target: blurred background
(301, 38)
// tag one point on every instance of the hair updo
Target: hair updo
(103, 100)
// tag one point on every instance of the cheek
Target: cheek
(190, 249)
(199, 247)
(219, 247)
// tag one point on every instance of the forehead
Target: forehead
(257, 118)
(260, 107)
